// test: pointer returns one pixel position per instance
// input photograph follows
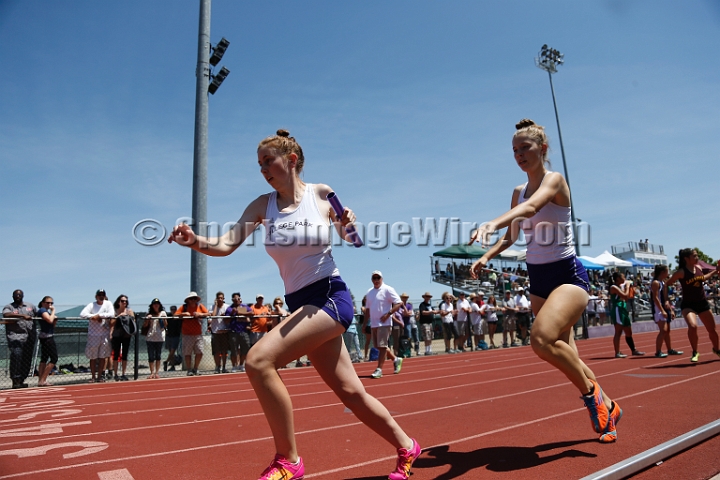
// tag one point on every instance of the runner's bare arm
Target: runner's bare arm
(226, 244)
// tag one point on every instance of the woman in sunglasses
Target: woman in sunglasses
(48, 349)
(123, 328)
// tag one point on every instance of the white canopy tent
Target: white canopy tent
(607, 259)
(514, 255)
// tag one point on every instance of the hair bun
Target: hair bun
(283, 133)
(525, 122)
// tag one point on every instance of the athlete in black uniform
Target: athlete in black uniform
(694, 304)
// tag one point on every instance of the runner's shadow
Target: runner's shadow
(496, 459)
(681, 365)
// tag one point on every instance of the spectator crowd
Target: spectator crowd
(394, 327)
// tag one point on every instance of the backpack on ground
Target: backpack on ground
(405, 349)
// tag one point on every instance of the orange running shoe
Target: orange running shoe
(610, 433)
(597, 409)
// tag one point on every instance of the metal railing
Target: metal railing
(638, 247)
(73, 366)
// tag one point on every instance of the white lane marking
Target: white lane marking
(88, 448)
(505, 355)
(484, 434)
(33, 392)
(122, 474)
(46, 429)
(42, 404)
(325, 405)
(336, 427)
(327, 391)
(53, 414)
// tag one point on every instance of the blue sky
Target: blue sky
(406, 109)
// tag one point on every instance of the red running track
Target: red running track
(492, 414)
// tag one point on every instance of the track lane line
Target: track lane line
(335, 427)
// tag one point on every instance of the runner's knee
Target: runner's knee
(256, 362)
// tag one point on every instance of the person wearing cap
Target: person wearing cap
(173, 332)
(260, 324)
(240, 332)
(447, 311)
(219, 333)
(522, 318)
(193, 313)
(408, 317)
(461, 323)
(99, 314)
(20, 333)
(155, 322)
(477, 322)
(426, 315)
(299, 221)
(509, 310)
(382, 301)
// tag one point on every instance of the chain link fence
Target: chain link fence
(71, 337)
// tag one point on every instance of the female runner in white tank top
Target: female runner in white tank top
(558, 283)
(297, 218)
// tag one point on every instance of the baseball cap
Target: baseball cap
(376, 272)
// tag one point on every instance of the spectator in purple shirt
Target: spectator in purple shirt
(408, 316)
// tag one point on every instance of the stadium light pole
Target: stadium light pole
(205, 84)
(549, 59)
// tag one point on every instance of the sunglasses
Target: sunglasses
(50, 303)
(124, 300)
(376, 278)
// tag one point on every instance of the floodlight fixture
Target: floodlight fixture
(549, 59)
(217, 80)
(218, 52)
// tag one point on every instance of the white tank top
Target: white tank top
(299, 242)
(548, 234)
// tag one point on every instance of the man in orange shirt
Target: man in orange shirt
(192, 339)
(259, 325)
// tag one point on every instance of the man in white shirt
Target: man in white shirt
(592, 307)
(99, 313)
(219, 329)
(477, 323)
(523, 314)
(463, 312)
(382, 301)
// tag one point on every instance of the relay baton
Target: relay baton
(339, 209)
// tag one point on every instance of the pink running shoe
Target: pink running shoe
(282, 469)
(405, 460)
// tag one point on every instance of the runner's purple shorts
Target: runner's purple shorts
(329, 294)
(546, 277)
